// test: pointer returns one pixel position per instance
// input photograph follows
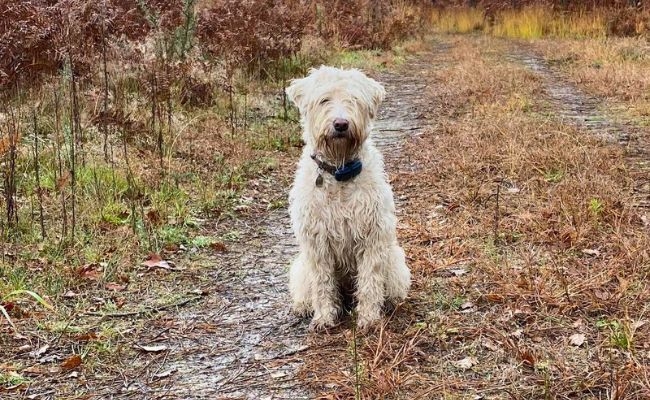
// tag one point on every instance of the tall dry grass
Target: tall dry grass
(538, 21)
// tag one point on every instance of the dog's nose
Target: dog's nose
(341, 125)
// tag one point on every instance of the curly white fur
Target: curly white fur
(346, 230)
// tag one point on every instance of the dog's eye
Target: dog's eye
(325, 100)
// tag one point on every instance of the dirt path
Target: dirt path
(242, 342)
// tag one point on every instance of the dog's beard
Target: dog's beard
(339, 150)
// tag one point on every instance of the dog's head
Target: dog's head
(336, 108)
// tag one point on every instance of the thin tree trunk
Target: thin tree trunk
(73, 145)
(60, 179)
(39, 190)
(105, 76)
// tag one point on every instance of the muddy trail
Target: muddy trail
(587, 112)
(242, 342)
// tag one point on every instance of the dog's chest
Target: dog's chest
(347, 213)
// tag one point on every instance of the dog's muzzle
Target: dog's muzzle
(341, 128)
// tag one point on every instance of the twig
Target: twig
(145, 311)
(496, 212)
(413, 128)
(288, 353)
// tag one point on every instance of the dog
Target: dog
(341, 204)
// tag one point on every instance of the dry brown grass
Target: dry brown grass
(520, 234)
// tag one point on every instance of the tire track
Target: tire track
(586, 112)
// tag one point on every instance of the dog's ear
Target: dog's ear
(296, 93)
(376, 94)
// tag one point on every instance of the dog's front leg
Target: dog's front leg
(324, 292)
(370, 285)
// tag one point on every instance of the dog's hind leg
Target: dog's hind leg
(299, 286)
(370, 285)
(398, 276)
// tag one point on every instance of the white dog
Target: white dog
(341, 204)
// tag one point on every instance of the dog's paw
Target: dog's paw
(301, 310)
(320, 325)
(323, 321)
(366, 323)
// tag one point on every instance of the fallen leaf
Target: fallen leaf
(72, 362)
(86, 337)
(528, 358)
(40, 351)
(601, 294)
(8, 305)
(166, 373)
(73, 374)
(90, 271)
(115, 287)
(152, 349)
(638, 324)
(494, 298)
(35, 370)
(488, 344)
(577, 339)
(200, 292)
(155, 261)
(51, 358)
(466, 363)
(591, 252)
(219, 247)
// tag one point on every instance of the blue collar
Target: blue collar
(342, 174)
